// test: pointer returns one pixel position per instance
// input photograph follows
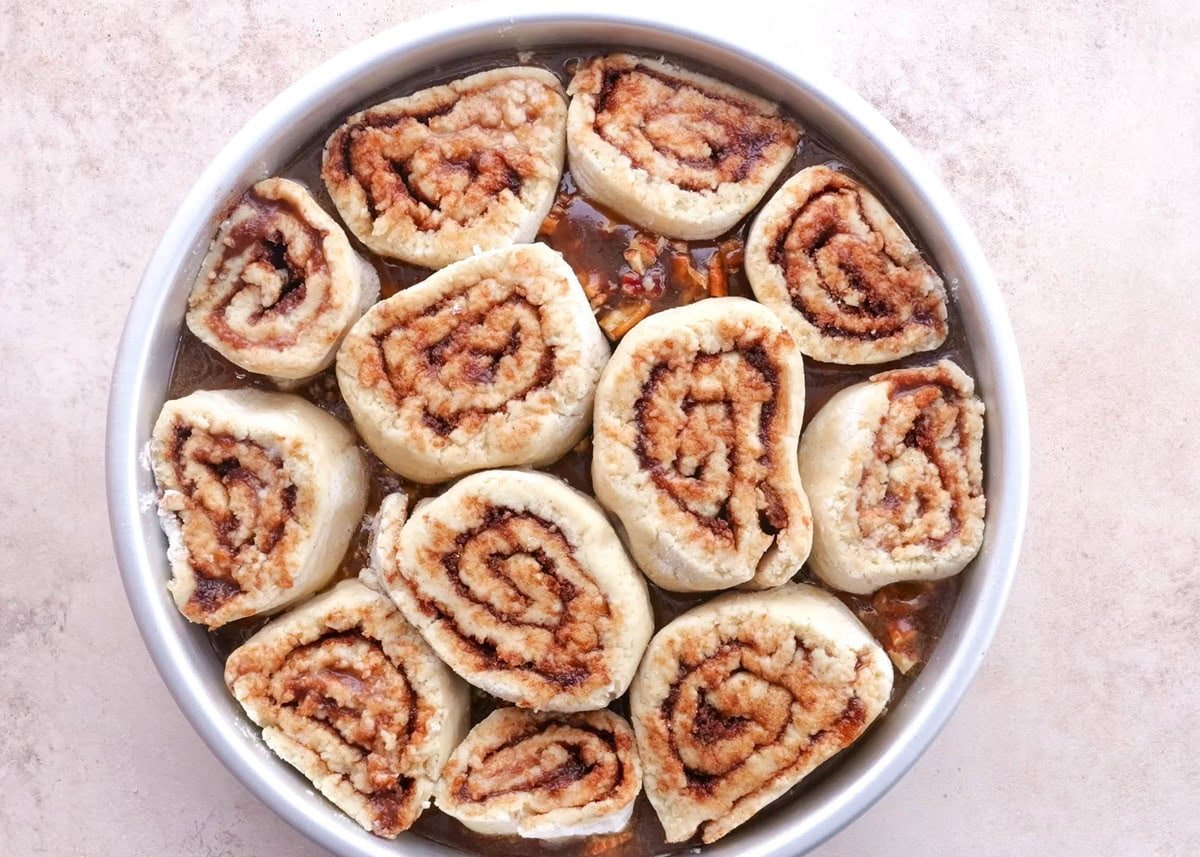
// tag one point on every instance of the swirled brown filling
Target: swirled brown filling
(447, 162)
(692, 424)
(865, 293)
(571, 766)
(459, 357)
(918, 488)
(347, 687)
(724, 708)
(238, 501)
(529, 587)
(279, 267)
(709, 139)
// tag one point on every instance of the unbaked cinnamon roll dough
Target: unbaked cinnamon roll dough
(520, 584)
(259, 494)
(894, 470)
(280, 285)
(543, 776)
(433, 177)
(351, 696)
(509, 579)
(490, 362)
(694, 447)
(740, 698)
(677, 152)
(846, 280)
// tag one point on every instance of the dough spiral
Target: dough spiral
(490, 362)
(522, 587)
(280, 285)
(543, 776)
(825, 254)
(435, 176)
(676, 152)
(351, 696)
(894, 469)
(697, 418)
(259, 496)
(739, 699)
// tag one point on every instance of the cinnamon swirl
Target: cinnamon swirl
(490, 362)
(280, 285)
(679, 153)
(522, 587)
(825, 254)
(895, 471)
(697, 418)
(543, 776)
(259, 496)
(351, 696)
(739, 699)
(435, 176)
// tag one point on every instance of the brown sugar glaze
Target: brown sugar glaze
(907, 617)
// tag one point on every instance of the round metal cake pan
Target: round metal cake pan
(182, 651)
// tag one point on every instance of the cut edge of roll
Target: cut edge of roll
(585, 527)
(769, 283)
(661, 555)
(554, 824)
(436, 252)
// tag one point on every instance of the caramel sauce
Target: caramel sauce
(909, 616)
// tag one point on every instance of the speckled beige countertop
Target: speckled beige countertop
(1070, 134)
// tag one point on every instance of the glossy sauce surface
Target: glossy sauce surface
(908, 618)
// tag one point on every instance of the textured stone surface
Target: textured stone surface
(1069, 133)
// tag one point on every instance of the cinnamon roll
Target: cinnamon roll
(740, 698)
(522, 587)
(280, 285)
(825, 254)
(894, 468)
(435, 176)
(490, 362)
(543, 776)
(350, 695)
(694, 448)
(676, 152)
(259, 496)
